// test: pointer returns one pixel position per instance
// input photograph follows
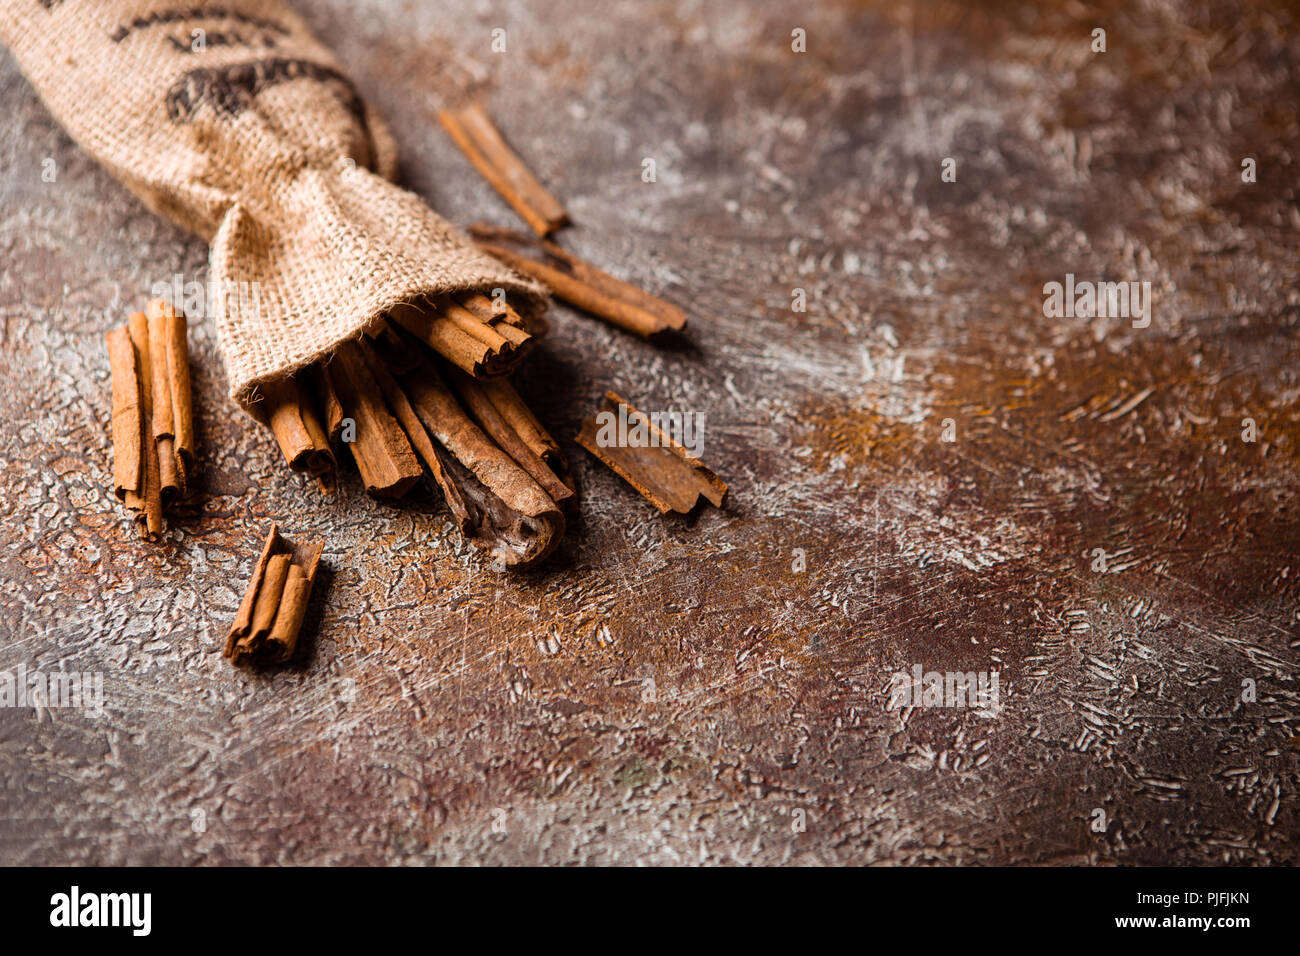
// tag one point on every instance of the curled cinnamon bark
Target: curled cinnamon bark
(173, 422)
(524, 423)
(128, 419)
(153, 431)
(270, 616)
(664, 472)
(479, 404)
(151, 481)
(297, 427)
(498, 311)
(382, 452)
(497, 504)
(328, 398)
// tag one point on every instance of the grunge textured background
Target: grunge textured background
(675, 690)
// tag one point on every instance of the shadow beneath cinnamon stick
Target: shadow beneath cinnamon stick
(677, 342)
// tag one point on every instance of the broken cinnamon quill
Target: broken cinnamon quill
(382, 452)
(297, 427)
(664, 472)
(270, 616)
(472, 130)
(584, 286)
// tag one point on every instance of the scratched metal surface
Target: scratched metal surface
(674, 690)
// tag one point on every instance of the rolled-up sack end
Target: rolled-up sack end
(320, 263)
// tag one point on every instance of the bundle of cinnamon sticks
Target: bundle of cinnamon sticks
(426, 390)
(153, 426)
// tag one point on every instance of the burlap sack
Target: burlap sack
(233, 121)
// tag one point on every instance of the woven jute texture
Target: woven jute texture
(233, 121)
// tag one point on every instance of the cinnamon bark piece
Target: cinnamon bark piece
(297, 427)
(328, 398)
(525, 424)
(151, 518)
(473, 131)
(383, 454)
(270, 616)
(485, 413)
(172, 414)
(659, 468)
(171, 475)
(128, 419)
(583, 285)
(497, 505)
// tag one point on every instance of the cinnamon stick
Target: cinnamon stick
(172, 413)
(459, 337)
(480, 405)
(151, 485)
(331, 407)
(171, 475)
(265, 629)
(497, 504)
(128, 420)
(525, 424)
(586, 287)
(383, 454)
(663, 471)
(497, 311)
(297, 427)
(472, 130)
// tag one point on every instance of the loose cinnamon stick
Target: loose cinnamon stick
(173, 424)
(128, 419)
(265, 629)
(472, 130)
(383, 454)
(171, 476)
(583, 285)
(663, 471)
(151, 485)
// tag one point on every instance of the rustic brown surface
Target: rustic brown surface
(673, 690)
